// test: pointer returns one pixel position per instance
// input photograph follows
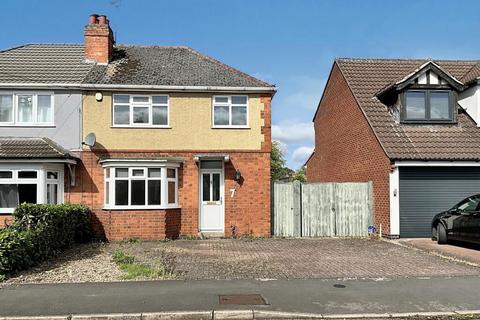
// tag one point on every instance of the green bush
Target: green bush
(41, 231)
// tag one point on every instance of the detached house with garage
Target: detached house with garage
(410, 126)
(158, 141)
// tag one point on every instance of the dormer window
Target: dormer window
(428, 106)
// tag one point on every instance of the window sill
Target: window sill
(28, 125)
(231, 127)
(6, 211)
(139, 208)
(141, 127)
(428, 122)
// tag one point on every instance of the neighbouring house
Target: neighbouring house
(411, 127)
(159, 141)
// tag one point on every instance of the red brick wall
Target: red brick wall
(4, 220)
(247, 212)
(346, 149)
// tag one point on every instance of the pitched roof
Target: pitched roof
(31, 148)
(367, 77)
(44, 64)
(132, 65)
(168, 66)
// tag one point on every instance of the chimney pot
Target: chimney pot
(93, 19)
(102, 20)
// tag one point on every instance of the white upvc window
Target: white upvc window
(140, 110)
(141, 187)
(30, 184)
(230, 112)
(26, 109)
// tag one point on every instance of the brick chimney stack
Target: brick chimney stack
(98, 40)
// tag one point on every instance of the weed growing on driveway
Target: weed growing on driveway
(135, 270)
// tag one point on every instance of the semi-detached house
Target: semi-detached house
(178, 142)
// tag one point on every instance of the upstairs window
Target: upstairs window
(428, 106)
(26, 109)
(140, 111)
(230, 111)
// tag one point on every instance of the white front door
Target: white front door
(211, 200)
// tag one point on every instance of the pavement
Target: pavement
(313, 296)
(457, 250)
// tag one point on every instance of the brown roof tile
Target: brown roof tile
(367, 77)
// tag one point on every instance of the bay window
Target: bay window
(30, 184)
(140, 110)
(24, 108)
(141, 187)
(230, 112)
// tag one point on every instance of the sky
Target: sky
(290, 43)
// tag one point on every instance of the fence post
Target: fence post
(297, 209)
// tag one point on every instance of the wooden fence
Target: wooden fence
(321, 209)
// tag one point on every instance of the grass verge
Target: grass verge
(136, 270)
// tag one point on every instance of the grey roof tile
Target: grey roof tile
(31, 148)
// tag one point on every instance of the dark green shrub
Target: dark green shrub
(40, 232)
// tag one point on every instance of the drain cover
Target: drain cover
(340, 286)
(242, 299)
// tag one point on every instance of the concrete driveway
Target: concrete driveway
(457, 250)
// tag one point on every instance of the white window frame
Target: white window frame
(229, 104)
(16, 122)
(41, 180)
(132, 105)
(163, 182)
(57, 182)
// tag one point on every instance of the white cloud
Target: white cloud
(301, 154)
(291, 132)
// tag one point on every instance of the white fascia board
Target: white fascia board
(432, 163)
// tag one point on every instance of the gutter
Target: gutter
(139, 87)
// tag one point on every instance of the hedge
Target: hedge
(41, 231)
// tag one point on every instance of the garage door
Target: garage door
(425, 192)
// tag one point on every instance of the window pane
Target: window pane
(6, 108)
(27, 193)
(154, 191)
(439, 105)
(140, 99)
(121, 192)
(154, 172)
(137, 172)
(216, 187)
(121, 172)
(239, 100)
(8, 195)
(221, 99)
(171, 192)
(138, 192)
(44, 109)
(25, 108)
(171, 173)
(6, 174)
(211, 164)
(160, 99)
(121, 115)
(107, 192)
(140, 115)
(206, 187)
(52, 175)
(52, 193)
(160, 115)
(221, 115)
(121, 98)
(415, 105)
(27, 174)
(239, 116)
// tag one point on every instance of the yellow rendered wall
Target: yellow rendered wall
(190, 126)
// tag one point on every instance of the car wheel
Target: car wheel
(441, 234)
(434, 233)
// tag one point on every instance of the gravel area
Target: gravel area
(249, 259)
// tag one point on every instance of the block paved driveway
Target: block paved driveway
(297, 258)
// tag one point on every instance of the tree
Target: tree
(300, 175)
(277, 162)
